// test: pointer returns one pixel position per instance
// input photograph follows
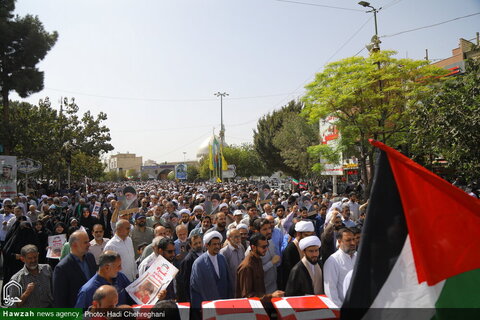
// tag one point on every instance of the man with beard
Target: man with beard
(156, 218)
(35, 280)
(292, 253)
(209, 280)
(270, 260)
(141, 233)
(329, 236)
(243, 228)
(198, 214)
(221, 225)
(338, 265)
(250, 275)
(131, 200)
(166, 248)
(205, 225)
(306, 276)
(234, 253)
(185, 270)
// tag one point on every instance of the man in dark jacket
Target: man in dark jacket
(73, 271)
(183, 277)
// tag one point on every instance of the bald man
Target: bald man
(123, 245)
(72, 272)
(105, 297)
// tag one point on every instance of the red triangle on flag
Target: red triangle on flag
(442, 220)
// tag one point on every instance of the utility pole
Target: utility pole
(222, 127)
(375, 43)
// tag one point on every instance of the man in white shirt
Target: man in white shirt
(97, 245)
(354, 206)
(4, 218)
(122, 244)
(338, 265)
(18, 212)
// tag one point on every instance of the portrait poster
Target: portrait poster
(8, 176)
(128, 199)
(145, 289)
(55, 245)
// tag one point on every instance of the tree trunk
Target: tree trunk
(6, 122)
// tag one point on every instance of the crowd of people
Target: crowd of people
(227, 240)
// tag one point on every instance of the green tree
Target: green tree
(131, 174)
(293, 139)
(23, 44)
(84, 165)
(192, 173)
(447, 124)
(110, 176)
(267, 128)
(371, 97)
(246, 159)
(144, 176)
(55, 138)
(203, 168)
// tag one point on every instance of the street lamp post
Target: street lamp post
(375, 45)
(222, 128)
(184, 153)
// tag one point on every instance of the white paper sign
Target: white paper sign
(55, 245)
(145, 289)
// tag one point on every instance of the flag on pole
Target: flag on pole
(418, 248)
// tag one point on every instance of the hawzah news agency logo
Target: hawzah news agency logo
(11, 293)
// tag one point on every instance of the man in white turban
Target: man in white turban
(209, 279)
(292, 253)
(306, 276)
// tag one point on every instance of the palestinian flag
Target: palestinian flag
(419, 247)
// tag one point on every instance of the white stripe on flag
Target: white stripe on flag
(402, 290)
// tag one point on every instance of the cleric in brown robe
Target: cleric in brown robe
(306, 276)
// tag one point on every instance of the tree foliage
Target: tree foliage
(246, 159)
(447, 124)
(293, 140)
(267, 128)
(59, 138)
(192, 173)
(372, 97)
(23, 44)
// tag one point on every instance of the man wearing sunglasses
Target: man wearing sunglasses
(250, 275)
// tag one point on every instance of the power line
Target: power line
(349, 39)
(429, 26)
(282, 101)
(318, 5)
(391, 4)
(164, 100)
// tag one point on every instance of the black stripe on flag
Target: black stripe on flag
(383, 237)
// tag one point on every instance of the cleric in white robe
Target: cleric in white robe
(209, 279)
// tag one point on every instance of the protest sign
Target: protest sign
(96, 209)
(55, 244)
(145, 289)
(8, 176)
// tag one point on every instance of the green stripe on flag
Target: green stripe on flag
(460, 291)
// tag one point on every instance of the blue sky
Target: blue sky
(154, 65)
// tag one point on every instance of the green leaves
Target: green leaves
(446, 124)
(54, 138)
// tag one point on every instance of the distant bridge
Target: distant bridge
(161, 171)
